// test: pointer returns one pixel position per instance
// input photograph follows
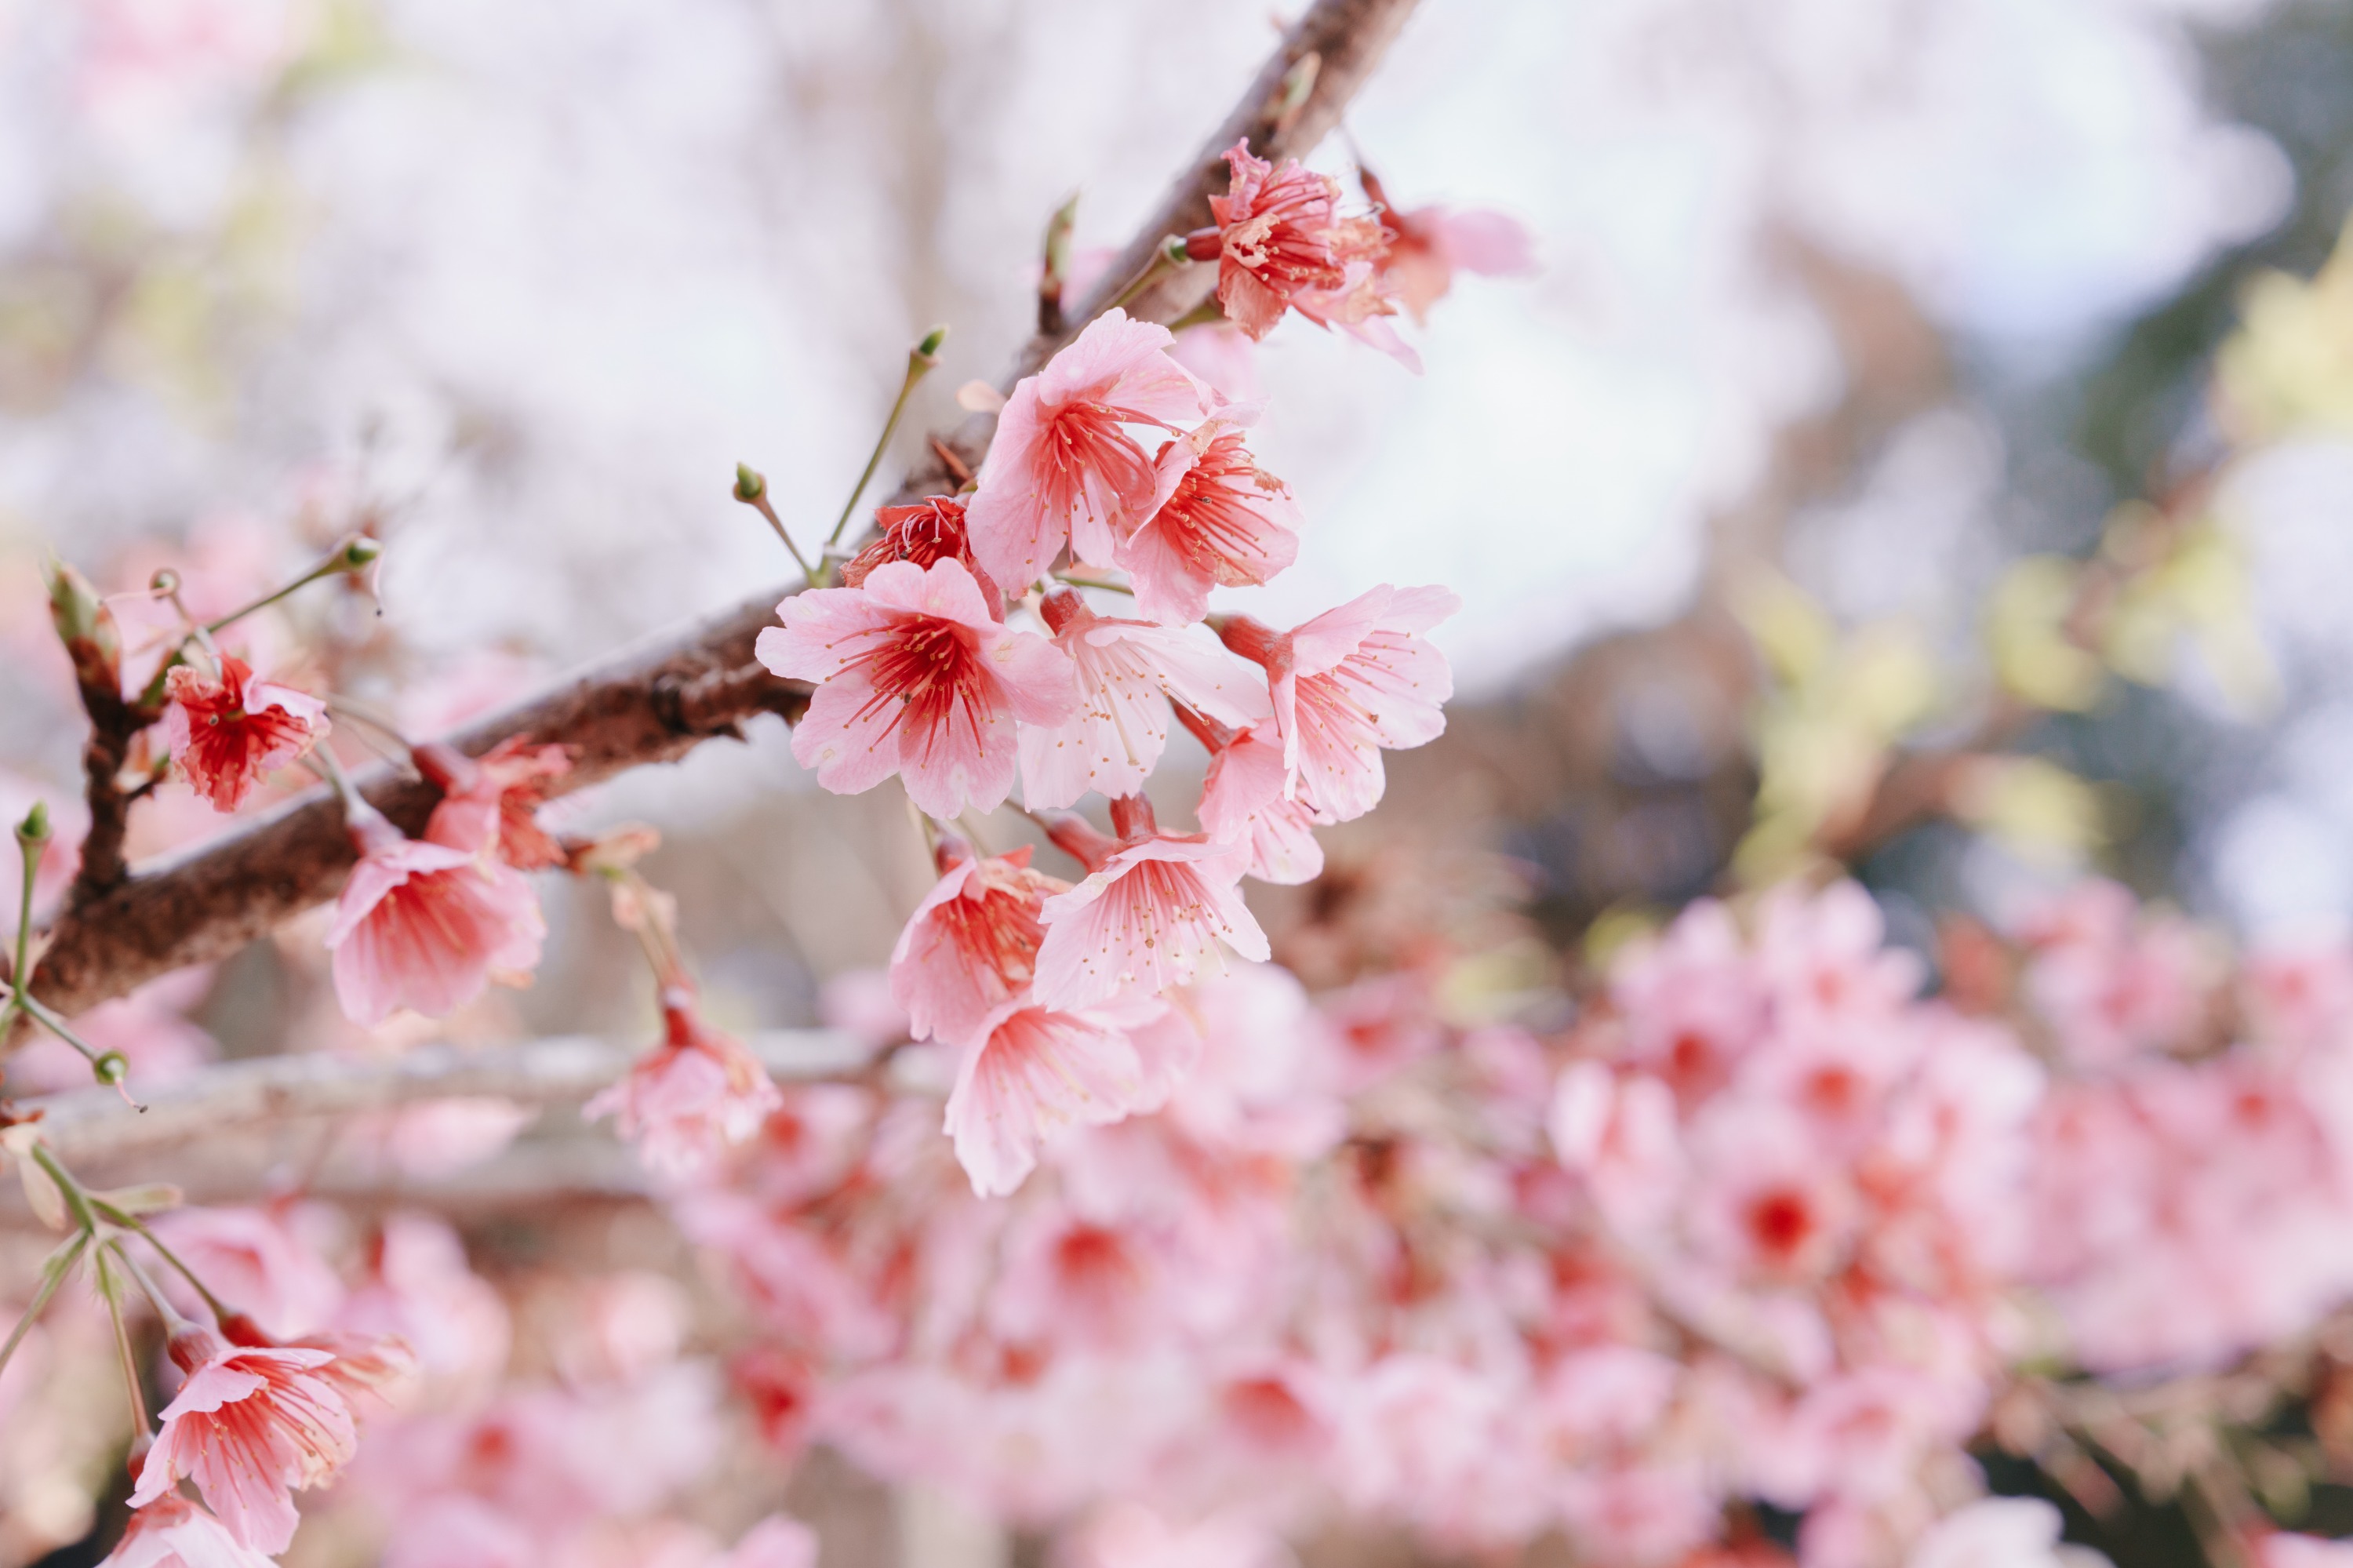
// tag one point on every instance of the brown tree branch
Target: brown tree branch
(656, 702)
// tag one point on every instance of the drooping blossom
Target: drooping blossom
(916, 677)
(423, 923)
(258, 1260)
(493, 800)
(1218, 520)
(931, 529)
(1062, 468)
(1244, 801)
(1151, 917)
(1031, 1071)
(1280, 236)
(1348, 683)
(225, 731)
(1429, 245)
(173, 1533)
(972, 944)
(249, 1426)
(691, 1096)
(1127, 671)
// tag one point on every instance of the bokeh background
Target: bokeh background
(1849, 305)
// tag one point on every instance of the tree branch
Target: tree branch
(656, 702)
(217, 1101)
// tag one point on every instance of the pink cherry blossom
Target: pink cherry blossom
(173, 1533)
(1152, 918)
(1243, 801)
(1127, 672)
(972, 944)
(226, 731)
(249, 1425)
(1429, 245)
(916, 677)
(1129, 1535)
(2116, 982)
(690, 1098)
(1032, 1071)
(257, 1261)
(1281, 238)
(423, 923)
(932, 529)
(1062, 468)
(2010, 1532)
(1218, 520)
(1348, 683)
(494, 799)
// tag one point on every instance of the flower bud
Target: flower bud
(110, 1069)
(750, 483)
(35, 828)
(359, 553)
(86, 625)
(928, 351)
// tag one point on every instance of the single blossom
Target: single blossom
(1218, 520)
(972, 944)
(1429, 245)
(423, 923)
(1127, 672)
(251, 1425)
(492, 801)
(1032, 1072)
(932, 529)
(916, 677)
(1063, 467)
(1152, 918)
(1279, 235)
(173, 1533)
(226, 731)
(689, 1097)
(1347, 684)
(1243, 802)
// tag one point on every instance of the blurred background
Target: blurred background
(1848, 313)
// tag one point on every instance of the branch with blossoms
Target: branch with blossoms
(655, 704)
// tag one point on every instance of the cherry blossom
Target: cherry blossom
(1151, 917)
(1218, 520)
(249, 1425)
(690, 1098)
(917, 678)
(1127, 672)
(494, 799)
(1281, 238)
(1031, 1071)
(227, 731)
(971, 945)
(423, 923)
(1429, 245)
(1243, 801)
(1063, 469)
(931, 529)
(1347, 684)
(173, 1533)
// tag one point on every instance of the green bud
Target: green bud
(928, 350)
(750, 483)
(85, 626)
(111, 1068)
(35, 828)
(359, 553)
(1176, 250)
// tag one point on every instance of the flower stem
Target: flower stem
(109, 1067)
(355, 554)
(32, 839)
(920, 360)
(111, 1288)
(751, 490)
(53, 1274)
(138, 1228)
